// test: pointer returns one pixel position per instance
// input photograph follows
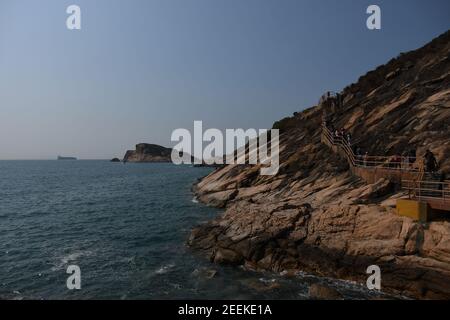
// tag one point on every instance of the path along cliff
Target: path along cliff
(314, 215)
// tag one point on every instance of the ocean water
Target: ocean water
(126, 227)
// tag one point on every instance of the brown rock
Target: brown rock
(227, 256)
(322, 292)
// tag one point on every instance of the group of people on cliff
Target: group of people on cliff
(344, 135)
(407, 159)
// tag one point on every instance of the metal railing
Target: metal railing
(328, 95)
(418, 188)
(365, 161)
(425, 190)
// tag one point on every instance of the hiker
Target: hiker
(336, 133)
(332, 129)
(365, 158)
(358, 155)
(412, 155)
(405, 159)
(442, 181)
(430, 162)
(395, 161)
(349, 138)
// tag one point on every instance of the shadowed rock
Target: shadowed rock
(322, 292)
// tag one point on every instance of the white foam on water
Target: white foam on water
(74, 256)
(165, 268)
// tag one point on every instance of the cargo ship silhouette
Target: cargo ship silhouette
(66, 158)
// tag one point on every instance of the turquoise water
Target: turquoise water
(126, 227)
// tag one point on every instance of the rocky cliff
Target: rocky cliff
(148, 153)
(314, 216)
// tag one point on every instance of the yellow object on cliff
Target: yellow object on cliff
(416, 210)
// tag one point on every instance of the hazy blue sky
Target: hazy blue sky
(140, 69)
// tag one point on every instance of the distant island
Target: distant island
(146, 152)
(66, 158)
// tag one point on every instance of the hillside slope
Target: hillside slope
(314, 216)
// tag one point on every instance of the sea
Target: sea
(125, 227)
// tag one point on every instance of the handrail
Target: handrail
(428, 189)
(328, 95)
(400, 163)
(417, 188)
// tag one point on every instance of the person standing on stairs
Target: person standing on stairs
(431, 164)
(366, 158)
(358, 154)
(412, 154)
(396, 161)
(442, 181)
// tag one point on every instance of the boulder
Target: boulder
(322, 292)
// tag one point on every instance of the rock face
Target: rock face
(314, 216)
(148, 153)
(321, 292)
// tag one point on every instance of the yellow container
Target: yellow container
(413, 209)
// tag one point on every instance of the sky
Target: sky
(139, 69)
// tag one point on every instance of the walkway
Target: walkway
(403, 171)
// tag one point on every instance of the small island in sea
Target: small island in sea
(151, 153)
(146, 152)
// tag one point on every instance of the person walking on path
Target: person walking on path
(366, 158)
(349, 138)
(430, 162)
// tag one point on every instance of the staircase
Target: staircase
(421, 186)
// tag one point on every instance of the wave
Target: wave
(74, 256)
(164, 269)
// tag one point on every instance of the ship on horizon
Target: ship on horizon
(66, 158)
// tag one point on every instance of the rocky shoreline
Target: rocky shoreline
(339, 240)
(313, 216)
